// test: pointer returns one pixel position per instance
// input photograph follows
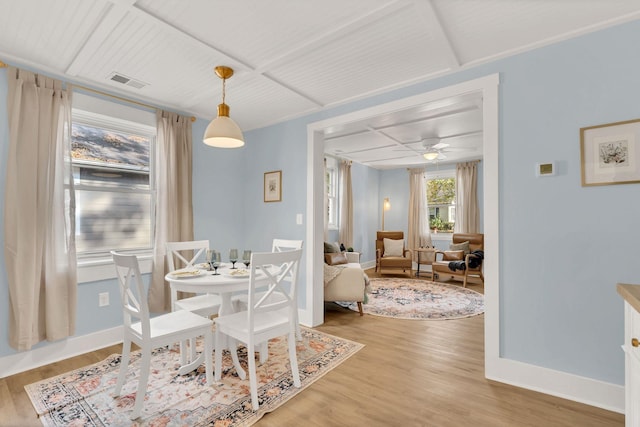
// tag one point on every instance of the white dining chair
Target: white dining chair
(265, 317)
(151, 333)
(207, 305)
(281, 245)
(278, 245)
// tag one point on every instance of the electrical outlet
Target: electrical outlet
(103, 299)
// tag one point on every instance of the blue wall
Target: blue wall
(559, 240)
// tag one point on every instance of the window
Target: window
(441, 197)
(114, 192)
(331, 181)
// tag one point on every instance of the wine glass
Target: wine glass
(233, 257)
(246, 257)
(210, 254)
(216, 262)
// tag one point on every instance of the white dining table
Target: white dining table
(223, 284)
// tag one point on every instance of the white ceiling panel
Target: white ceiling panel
(483, 29)
(463, 122)
(296, 57)
(259, 32)
(148, 53)
(47, 32)
(357, 143)
(341, 69)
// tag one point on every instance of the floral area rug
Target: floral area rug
(420, 299)
(83, 397)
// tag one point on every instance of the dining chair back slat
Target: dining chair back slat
(132, 295)
(280, 245)
(206, 305)
(261, 263)
(180, 251)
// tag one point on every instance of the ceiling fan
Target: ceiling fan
(434, 152)
(432, 149)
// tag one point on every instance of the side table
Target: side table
(426, 256)
(353, 257)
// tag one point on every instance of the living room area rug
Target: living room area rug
(83, 397)
(420, 299)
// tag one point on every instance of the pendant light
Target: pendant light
(223, 132)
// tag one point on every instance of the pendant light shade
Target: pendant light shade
(223, 132)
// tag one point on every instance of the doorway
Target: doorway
(313, 314)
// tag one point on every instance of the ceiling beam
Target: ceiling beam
(235, 62)
(109, 19)
(407, 122)
(432, 20)
(335, 34)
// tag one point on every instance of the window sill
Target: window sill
(103, 268)
(442, 236)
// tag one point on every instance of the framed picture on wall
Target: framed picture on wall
(609, 153)
(273, 186)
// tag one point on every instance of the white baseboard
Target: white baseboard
(560, 384)
(367, 265)
(54, 352)
(568, 386)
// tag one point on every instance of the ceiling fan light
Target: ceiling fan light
(430, 155)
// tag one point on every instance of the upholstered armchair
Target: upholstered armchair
(465, 255)
(391, 253)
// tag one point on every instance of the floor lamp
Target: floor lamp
(385, 207)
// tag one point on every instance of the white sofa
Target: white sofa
(345, 282)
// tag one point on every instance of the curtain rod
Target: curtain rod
(334, 157)
(469, 161)
(99, 92)
(131, 101)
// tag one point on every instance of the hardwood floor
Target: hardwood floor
(410, 373)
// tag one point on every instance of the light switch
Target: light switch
(299, 219)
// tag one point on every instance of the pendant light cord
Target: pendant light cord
(224, 81)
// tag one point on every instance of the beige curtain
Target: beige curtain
(174, 207)
(39, 211)
(467, 212)
(346, 205)
(419, 232)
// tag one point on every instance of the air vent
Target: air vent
(121, 78)
(135, 83)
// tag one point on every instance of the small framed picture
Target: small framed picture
(609, 153)
(273, 186)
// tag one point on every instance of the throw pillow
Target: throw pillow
(393, 247)
(453, 256)
(335, 258)
(464, 246)
(330, 248)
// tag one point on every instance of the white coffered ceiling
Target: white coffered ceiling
(294, 57)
